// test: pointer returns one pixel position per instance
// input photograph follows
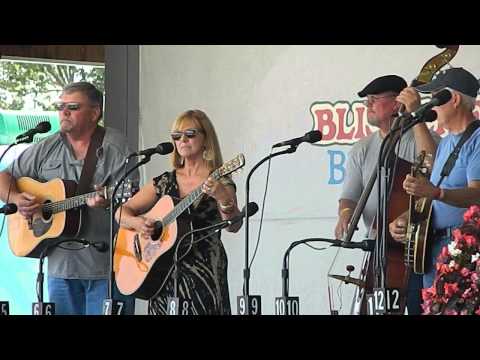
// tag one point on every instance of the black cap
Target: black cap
(455, 78)
(383, 84)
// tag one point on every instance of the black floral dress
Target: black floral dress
(202, 273)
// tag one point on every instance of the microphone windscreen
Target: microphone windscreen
(165, 148)
(9, 209)
(429, 116)
(44, 127)
(252, 208)
(313, 136)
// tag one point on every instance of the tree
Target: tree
(41, 82)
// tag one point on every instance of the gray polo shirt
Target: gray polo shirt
(54, 158)
(362, 160)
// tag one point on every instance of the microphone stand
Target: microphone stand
(111, 276)
(40, 276)
(387, 162)
(246, 270)
(285, 268)
(364, 245)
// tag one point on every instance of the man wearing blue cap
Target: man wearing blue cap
(382, 108)
(461, 188)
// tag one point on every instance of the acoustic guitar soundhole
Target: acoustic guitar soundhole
(41, 224)
(157, 232)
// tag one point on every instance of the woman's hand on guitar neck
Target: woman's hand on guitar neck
(216, 190)
(26, 203)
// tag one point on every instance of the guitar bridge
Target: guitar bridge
(137, 249)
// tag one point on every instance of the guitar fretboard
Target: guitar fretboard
(186, 202)
(67, 204)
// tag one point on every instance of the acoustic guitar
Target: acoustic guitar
(60, 214)
(142, 264)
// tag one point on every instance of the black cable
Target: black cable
(8, 194)
(315, 248)
(288, 262)
(263, 208)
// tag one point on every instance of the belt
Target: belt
(443, 232)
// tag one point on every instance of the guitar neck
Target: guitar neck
(186, 202)
(68, 204)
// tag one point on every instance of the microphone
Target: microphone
(365, 245)
(162, 149)
(41, 128)
(8, 209)
(440, 98)
(429, 116)
(310, 137)
(251, 208)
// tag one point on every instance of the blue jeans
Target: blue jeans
(414, 295)
(84, 297)
(437, 245)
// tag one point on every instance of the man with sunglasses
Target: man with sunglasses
(382, 108)
(77, 275)
(460, 189)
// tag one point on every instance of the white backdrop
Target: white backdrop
(257, 96)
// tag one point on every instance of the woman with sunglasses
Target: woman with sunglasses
(202, 273)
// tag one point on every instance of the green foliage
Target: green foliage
(41, 82)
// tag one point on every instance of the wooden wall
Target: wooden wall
(88, 53)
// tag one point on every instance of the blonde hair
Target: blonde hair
(213, 156)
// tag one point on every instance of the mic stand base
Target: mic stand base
(249, 305)
(40, 307)
(113, 307)
(4, 308)
(175, 305)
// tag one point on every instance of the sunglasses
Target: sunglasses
(71, 106)
(189, 133)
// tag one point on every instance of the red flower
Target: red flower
(465, 272)
(470, 240)
(458, 281)
(450, 289)
(450, 312)
(429, 293)
(471, 214)
(457, 234)
(443, 268)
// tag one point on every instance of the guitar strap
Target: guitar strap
(452, 159)
(90, 161)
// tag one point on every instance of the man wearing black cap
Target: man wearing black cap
(461, 188)
(382, 108)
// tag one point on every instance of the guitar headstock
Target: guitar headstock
(230, 166)
(127, 190)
